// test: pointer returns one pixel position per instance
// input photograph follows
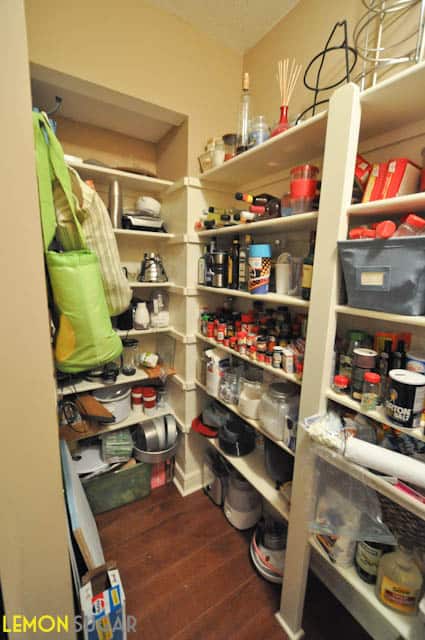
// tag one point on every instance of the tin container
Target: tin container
(416, 361)
(405, 397)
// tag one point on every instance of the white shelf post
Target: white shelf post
(338, 172)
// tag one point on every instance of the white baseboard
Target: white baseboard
(187, 483)
(291, 635)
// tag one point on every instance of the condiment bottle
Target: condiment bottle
(399, 582)
(371, 391)
(363, 360)
(341, 384)
(366, 561)
(413, 226)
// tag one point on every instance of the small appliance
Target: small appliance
(152, 269)
(242, 503)
(267, 549)
(236, 438)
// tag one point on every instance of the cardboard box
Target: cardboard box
(375, 182)
(102, 601)
(402, 177)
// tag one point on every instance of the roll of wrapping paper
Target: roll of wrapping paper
(385, 461)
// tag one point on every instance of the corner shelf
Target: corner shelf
(378, 415)
(252, 468)
(254, 423)
(149, 285)
(289, 223)
(133, 333)
(272, 298)
(389, 206)
(152, 235)
(135, 417)
(128, 180)
(276, 372)
(84, 386)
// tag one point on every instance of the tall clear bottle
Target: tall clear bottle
(243, 263)
(244, 116)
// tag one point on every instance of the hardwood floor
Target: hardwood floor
(187, 576)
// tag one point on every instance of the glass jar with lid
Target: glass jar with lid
(129, 356)
(278, 403)
(228, 388)
(249, 398)
(259, 131)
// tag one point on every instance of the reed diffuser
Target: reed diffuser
(287, 78)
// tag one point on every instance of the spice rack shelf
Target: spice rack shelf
(154, 235)
(413, 321)
(133, 333)
(276, 372)
(135, 417)
(339, 578)
(390, 206)
(252, 468)
(378, 415)
(272, 298)
(289, 223)
(128, 180)
(303, 141)
(254, 423)
(140, 376)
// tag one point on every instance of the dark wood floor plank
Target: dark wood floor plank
(262, 626)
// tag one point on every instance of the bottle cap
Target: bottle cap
(415, 221)
(341, 381)
(385, 229)
(375, 378)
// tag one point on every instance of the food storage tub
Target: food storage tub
(114, 489)
(385, 275)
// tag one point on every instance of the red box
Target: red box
(402, 177)
(375, 182)
(362, 171)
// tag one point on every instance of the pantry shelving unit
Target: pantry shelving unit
(290, 223)
(150, 285)
(412, 321)
(127, 180)
(132, 233)
(271, 298)
(392, 206)
(254, 423)
(279, 373)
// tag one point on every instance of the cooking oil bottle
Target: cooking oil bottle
(399, 582)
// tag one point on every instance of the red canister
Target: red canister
(137, 397)
(149, 400)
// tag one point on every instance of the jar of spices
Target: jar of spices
(277, 357)
(226, 342)
(371, 391)
(251, 339)
(341, 384)
(364, 360)
(233, 342)
(261, 356)
(210, 329)
(230, 331)
(268, 359)
(221, 332)
(261, 344)
(253, 352)
(271, 342)
(245, 321)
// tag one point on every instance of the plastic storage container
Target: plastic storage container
(249, 399)
(379, 277)
(278, 404)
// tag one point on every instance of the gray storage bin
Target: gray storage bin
(385, 275)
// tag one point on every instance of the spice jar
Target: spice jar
(277, 357)
(364, 360)
(371, 391)
(221, 332)
(261, 356)
(253, 352)
(261, 344)
(233, 342)
(271, 342)
(210, 329)
(251, 339)
(341, 384)
(268, 358)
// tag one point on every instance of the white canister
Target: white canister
(250, 398)
(141, 316)
(283, 270)
(416, 361)
(117, 400)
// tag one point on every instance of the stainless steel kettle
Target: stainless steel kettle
(152, 269)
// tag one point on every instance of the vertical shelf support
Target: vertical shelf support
(338, 170)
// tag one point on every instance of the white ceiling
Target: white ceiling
(239, 24)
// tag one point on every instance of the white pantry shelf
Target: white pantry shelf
(84, 386)
(135, 417)
(390, 206)
(133, 333)
(413, 321)
(254, 423)
(288, 223)
(272, 298)
(149, 285)
(280, 373)
(378, 415)
(128, 180)
(301, 143)
(342, 582)
(252, 468)
(131, 233)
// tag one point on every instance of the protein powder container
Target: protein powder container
(405, 397)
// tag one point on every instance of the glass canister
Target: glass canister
(228, 388)
(279, 402)
(129, 356)
(250, 397)
(259, 131)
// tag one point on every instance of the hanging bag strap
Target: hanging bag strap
(51, 167)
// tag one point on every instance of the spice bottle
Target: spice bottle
(341, 384)
(371, 391)
(364, 360)
(366, 561)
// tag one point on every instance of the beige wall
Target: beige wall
(147, 53)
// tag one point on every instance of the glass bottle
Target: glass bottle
(209, 265)
(243, 263)
(399, 357)
(202, 266)
(384, 367)
(399, 582)
(371, 391)
(366, 561)
(233, 265)
(244, 115)
(308, 269)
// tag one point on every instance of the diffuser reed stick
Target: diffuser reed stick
(287, 78)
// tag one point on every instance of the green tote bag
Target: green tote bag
(85, 338)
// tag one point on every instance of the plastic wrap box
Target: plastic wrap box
(102, 601)
(385, 275)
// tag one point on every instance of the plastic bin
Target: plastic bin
(111, 490)
(385, 275)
